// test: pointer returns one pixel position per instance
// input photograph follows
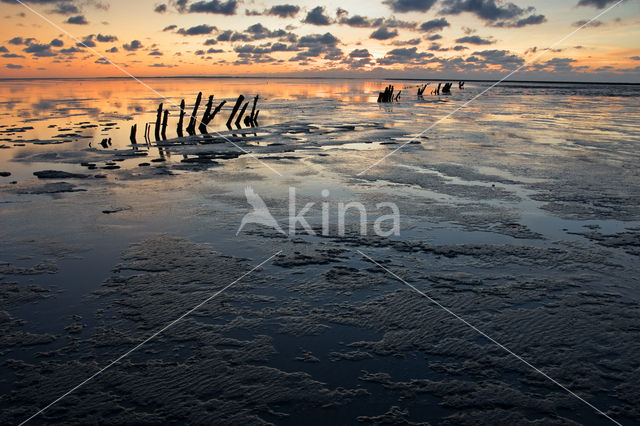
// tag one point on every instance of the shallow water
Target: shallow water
(520, 212)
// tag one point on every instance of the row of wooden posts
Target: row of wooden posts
(162, 118)
(388, 94)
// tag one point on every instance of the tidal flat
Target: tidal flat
(520, 214)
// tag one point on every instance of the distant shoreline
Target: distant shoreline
(314, 78)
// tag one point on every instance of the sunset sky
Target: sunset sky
(389, 38)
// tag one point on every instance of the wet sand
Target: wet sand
(520, 214)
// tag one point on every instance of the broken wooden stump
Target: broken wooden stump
(132, 135)
(461, 85)
(387, 95)
(181, 120)
(191, 128)
(158, 118)
(235, 109)
(446, 89)
(422, 89)
(205, 118)
(244, 108)
(164, 124)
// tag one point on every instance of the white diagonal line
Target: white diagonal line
(527, 63)
(127, 73)
(491, 339)
(171, 324)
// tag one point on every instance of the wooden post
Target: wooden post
(398, 95)
(132, 135)
(216, 110)
(244, 108)
(235, 109)
(164, 124)
(158, 118)
(181, 120)
(253, 110)
(205, 118)
(191, 129)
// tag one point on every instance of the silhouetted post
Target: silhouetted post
(438, 89)
(215, 111)
(253, 109)
(235, 109)
(205, 118)
(244, 108)
(158, 118)
(132, 135)
(446, 89)
(461, 85)
(398, 95)
(164, 124)
(181, 120)
(191, 129)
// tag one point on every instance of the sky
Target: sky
(426, 39)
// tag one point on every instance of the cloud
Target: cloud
(503, 58)
(133, 46)
(405, 55)
(474, 40)
(434, 37)
(56, 43)
(197, 30)
(434, 25)
(360, 53)
(77, 20)
(161, 8)
(317, 17)
(106, 38)
(3, 49)
(318, 45)
(215, 6)
(494, 12)
(170, 28)
(412, 42)
(283, 10)
(39, 50)
(112, 50)
(585, 23)
(19, 40)
(529, 20)
(403, 6)
(635, 58)
(12, 55)
(599, 4)
(383, 33)
(210, 42)
(14, 66)
(65, 9)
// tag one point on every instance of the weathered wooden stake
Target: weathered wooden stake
(244, 108)
(181, 120)
(253, 110)
(164, 124)
(191, 129)
(158, 118)
(132, 136)
(205, 118)
(235, 109)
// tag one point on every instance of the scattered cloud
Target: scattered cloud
(474, 39)
(403, 6)
(317, 16)
(133, 46)
(383, 33)
(77, 20)
(197, 30)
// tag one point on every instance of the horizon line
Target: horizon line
(283, 77)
